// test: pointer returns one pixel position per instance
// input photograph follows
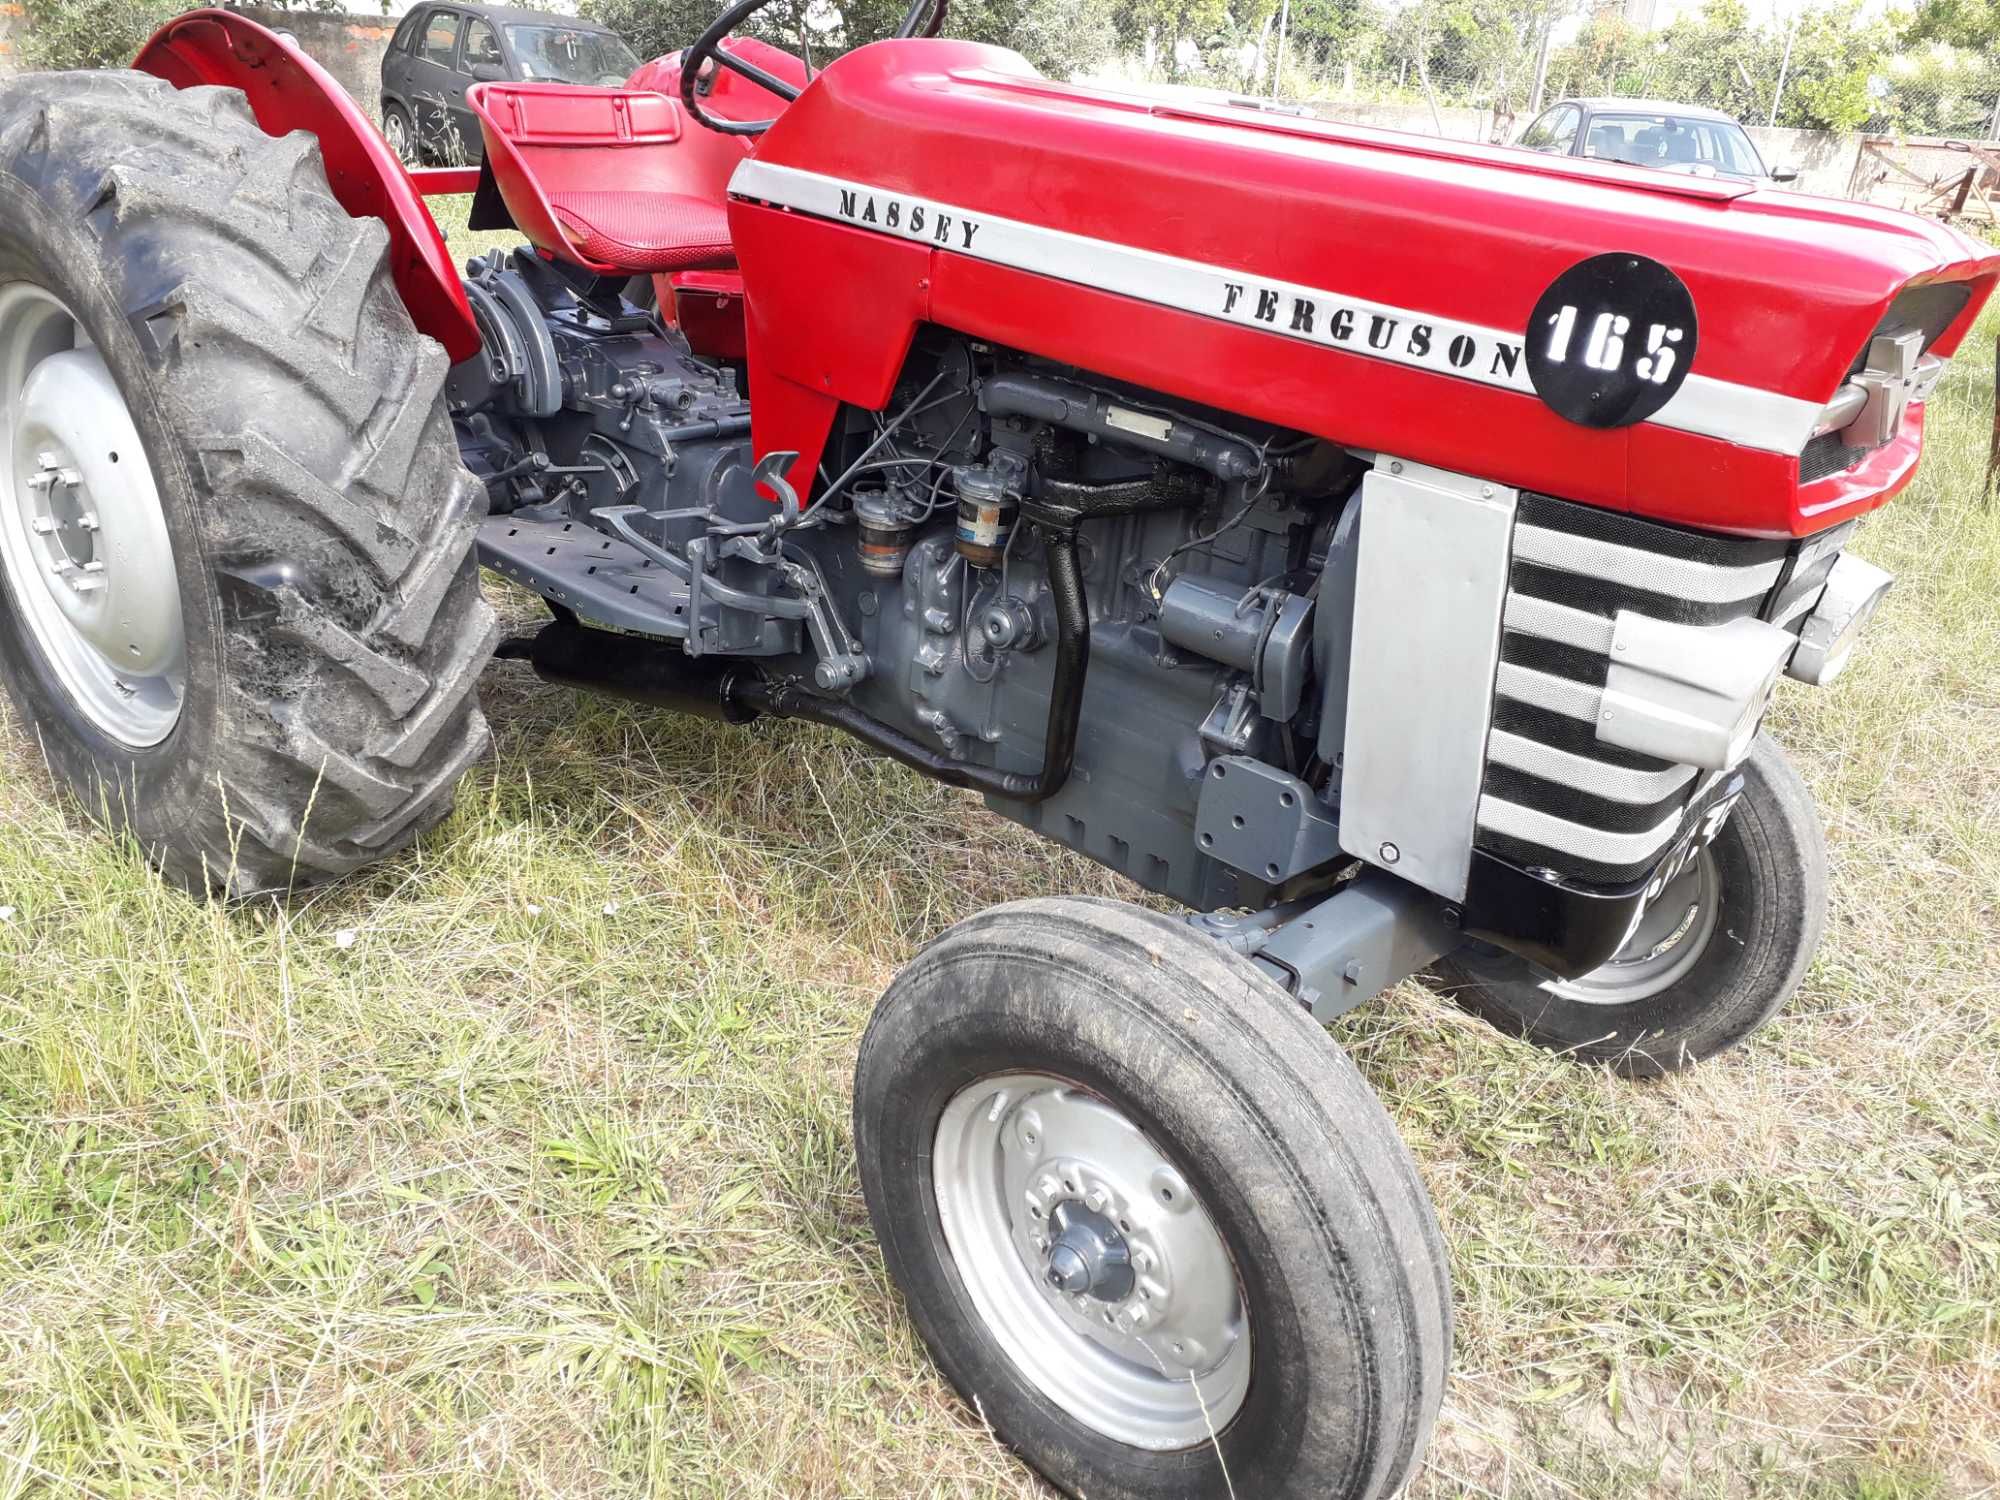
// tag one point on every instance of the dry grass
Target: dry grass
(523, 1166)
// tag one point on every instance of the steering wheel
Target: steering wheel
(924, 18)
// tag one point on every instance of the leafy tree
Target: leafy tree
(1834, 55)
(1945, 77)
(63, 34)
(1827, 58)
(1060, 37)
(1158, 28)
(1971, 24)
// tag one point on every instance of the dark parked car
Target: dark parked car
(439, 51)
(1649, 133)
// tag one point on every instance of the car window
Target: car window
(1555, 130)
(482, 46)
(1674, 142)
(571, 54)
(441, 37)
(406, 34)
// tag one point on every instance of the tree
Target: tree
(64, 34)
(1971, 24)
(1945, 77)
(1833, 56)
(1826, 58)
(1060, 37)
(1159, 28)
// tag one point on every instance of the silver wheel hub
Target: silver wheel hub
(83, 536)
(1091, 1261)
(1668, 940)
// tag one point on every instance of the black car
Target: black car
(439, 51)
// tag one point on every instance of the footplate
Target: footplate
(607, 583)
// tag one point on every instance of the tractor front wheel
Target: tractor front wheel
(241, 611)
(1715, 955)
(1150, 1221)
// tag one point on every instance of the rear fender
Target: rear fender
(289, 91)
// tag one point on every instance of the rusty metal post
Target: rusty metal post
(1993, 453)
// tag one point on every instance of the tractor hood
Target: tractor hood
(1377, 288)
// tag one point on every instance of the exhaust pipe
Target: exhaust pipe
(659, 675)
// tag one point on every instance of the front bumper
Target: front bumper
(1566, 926)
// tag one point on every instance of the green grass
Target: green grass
(522, 1167)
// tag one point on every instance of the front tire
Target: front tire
(1253, 1297)
(311, 525)
(1718, 954)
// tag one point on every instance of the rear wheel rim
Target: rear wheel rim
(1030, 1170)
(83, 535)
(397, 134)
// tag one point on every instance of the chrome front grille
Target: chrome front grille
(1555, 797)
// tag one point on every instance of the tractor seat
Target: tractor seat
(635, 230)
(565, 160)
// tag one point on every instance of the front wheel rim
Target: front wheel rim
(1091, 1262)
(83, 535)
(1671, 936)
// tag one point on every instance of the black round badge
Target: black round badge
(1611, 340)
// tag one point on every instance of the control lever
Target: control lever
(770, 475)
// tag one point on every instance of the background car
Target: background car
(439, 51)
(1649, 133)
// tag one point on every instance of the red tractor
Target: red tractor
(1385, 548)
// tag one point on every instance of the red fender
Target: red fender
(289, 91)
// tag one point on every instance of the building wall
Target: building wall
(350, 47)
(1823, 160)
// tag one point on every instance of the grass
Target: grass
(522, 1167)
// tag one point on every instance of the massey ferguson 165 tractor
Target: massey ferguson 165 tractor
(1385, 548)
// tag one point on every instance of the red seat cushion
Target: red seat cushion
(636, 230)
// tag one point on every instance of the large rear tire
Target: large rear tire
(1151, 1222)
(329, 632)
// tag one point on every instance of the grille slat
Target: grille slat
(1598, 845)
(1527, 615)
(1586, 774)
(1658, 572)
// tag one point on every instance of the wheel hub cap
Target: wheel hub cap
(1091, 1261)
(1088, 1256)
(83, 536)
